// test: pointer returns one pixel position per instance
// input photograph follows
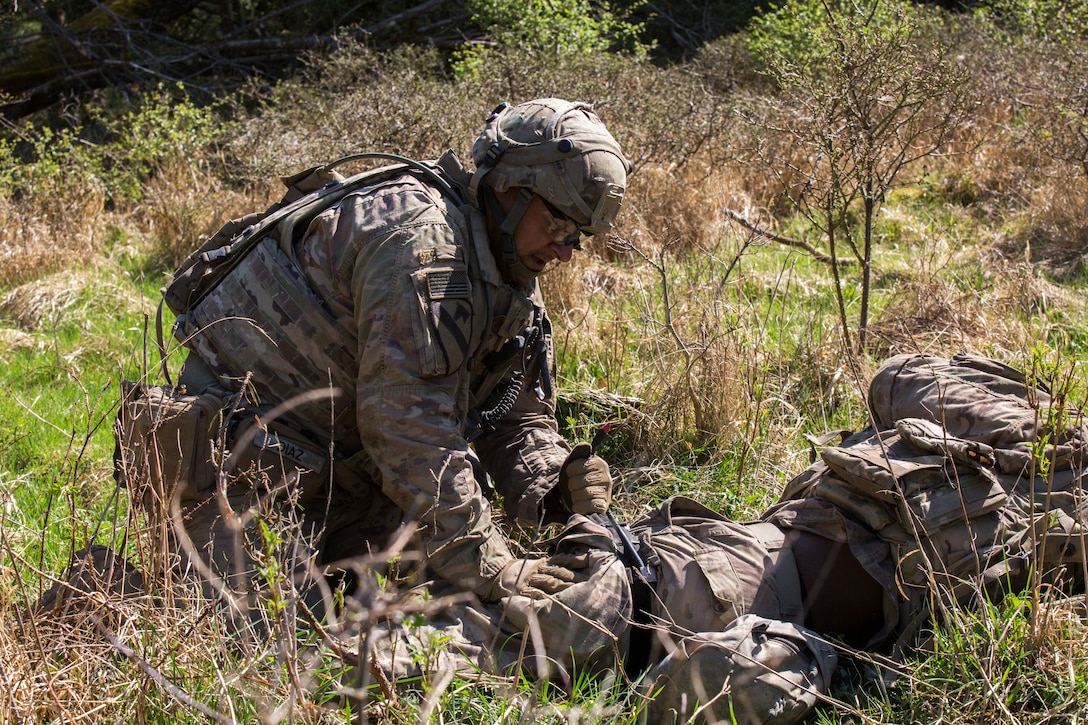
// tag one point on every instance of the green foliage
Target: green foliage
(986, 659)
(794, 31)
(57, 159)
(556, 28)
(131, 147)
(160, 130)
(58, 395)
(805, 37)
(1058, 21)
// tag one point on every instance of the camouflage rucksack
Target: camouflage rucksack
(969, 474)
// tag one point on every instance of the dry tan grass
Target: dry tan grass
(1052, 231)
(41, 303)
(930, 316)
(51, 682)
(185, 203)
(672, 205)
(48, 232)
(159, 652)
(11, 340)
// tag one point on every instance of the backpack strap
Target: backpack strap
(199, 274)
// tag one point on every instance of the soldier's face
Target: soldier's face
(541, 237)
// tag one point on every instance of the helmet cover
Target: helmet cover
(756, 671)
(558, 150)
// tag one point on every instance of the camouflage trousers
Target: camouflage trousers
(245, 541)
(239, 501)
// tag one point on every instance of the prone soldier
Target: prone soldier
(968, 480)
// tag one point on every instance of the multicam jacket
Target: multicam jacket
(391, 312)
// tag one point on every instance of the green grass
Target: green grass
(58, 398)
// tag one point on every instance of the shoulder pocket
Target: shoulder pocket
(444, 329)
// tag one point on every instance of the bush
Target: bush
(57, 185)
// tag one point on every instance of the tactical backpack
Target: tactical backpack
(971, 473)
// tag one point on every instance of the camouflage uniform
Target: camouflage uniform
(392, 301)
(718, 611)
(708, 572)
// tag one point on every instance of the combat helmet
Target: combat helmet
(558, 150)
(756, 672)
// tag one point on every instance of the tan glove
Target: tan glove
(551, 575)
(558, 572)
(585, 483)
(577, 623)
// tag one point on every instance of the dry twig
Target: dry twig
(788, 241)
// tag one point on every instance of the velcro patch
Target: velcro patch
(447, 283)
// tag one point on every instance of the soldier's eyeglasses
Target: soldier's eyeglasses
(571, 239)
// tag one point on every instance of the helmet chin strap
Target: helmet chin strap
(510, 262)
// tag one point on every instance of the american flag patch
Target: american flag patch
(446, 283)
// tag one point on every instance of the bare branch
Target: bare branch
(798, 243)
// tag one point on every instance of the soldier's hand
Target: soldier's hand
(585, 483)
(551, 575)
(512, 578)
(558, 572)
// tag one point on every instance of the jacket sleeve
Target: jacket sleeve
(413, 315)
